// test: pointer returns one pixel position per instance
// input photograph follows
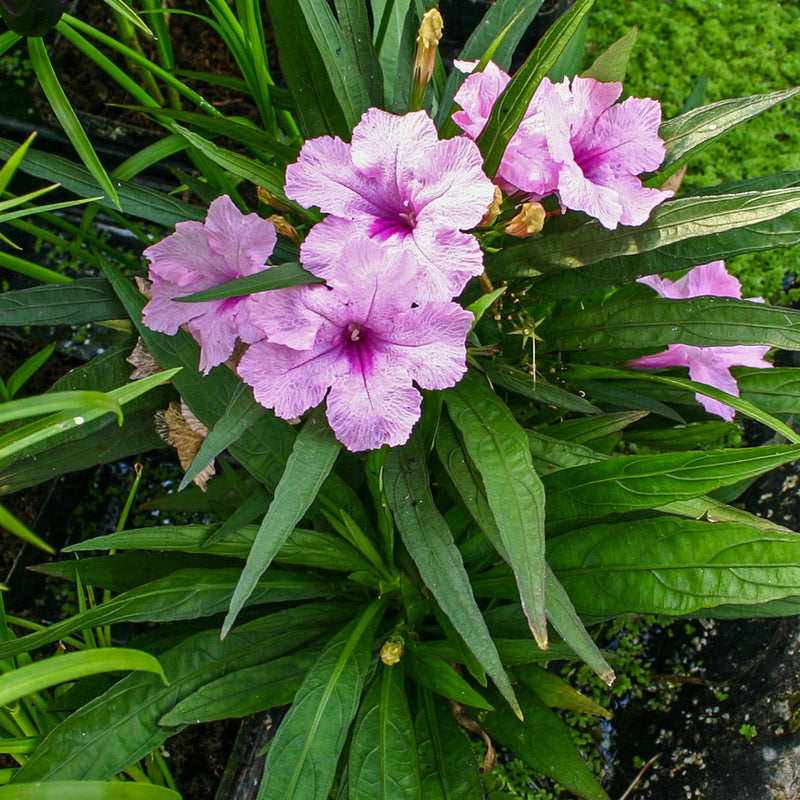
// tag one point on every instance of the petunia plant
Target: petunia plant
(459, 343)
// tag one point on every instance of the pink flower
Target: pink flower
(709, 365)
(398, 183)
(199, 256)
(362, 340)
(575, 141)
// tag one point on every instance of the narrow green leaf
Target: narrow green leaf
(430, 543)
(28, 368)
(186, 594)
(665, 565)
(544, 743)
(31, 270)
(278, 277)
(17, 528)
(84, 300)
(427, 669)
(612, 64)
(303, 757)
(138, 201)
(13, 161)
(241, 413)
(15, 441)
(67, 117)
(93, 744)
(671, 222)
(355, 23)
(498, 447)
(383, 762)
(124, 10)
(86, 790)
(73, 402)
(312, 459)
(654, 322)
(51, 671)
(512, 104)
(535, 388)
(245, 691)
(447, 762)
(556, 692)
(628, 483)
(689, 133)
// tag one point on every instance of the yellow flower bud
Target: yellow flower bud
(391, 652)
(284, 228)
(494, 208)
(530, 220)
(430, 33)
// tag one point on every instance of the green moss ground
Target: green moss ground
(746, 47)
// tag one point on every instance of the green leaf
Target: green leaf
(427, 669)
(241, 413)
(558, 606)
(312, 459)
(319, 66)
(544, 743)
(51, 671)
(447, 762)
(186, 594)
(66, 116)
(73, 402)
(138, 201)
(244, 691)
(94, 744)
(354, 19)
(13, 442)
(630, 483)
(510, 107)
(612, 64)
(664, 565)
(430, 544)
(671, 222)
(656, 322)
(383, 762)
(689, 133)
(86, 790)
(498, 447)
(535, 388)
(555, 692)
(28, 369)
(278, 277)
(302, 759)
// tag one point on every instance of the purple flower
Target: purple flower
(362, 340)
(398, 183)
(709, 365)
(199, 256)
(576, 141)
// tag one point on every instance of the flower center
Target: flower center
(355, 339)
(393, 222)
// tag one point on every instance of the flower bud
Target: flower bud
(392, 652)
(530, 220)
(430, 32)
(284, 228)
(494, 209)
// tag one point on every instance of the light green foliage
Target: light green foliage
(746, 47)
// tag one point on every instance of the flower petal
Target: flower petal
(288, 381)
(367, 413)
(429, 343)
(245, 241)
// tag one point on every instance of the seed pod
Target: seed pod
(32, 18)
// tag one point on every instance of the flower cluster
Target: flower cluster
(393, 253)
(574, 141)
(394, 249)
(710, 365)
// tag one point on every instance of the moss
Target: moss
(747, 47)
